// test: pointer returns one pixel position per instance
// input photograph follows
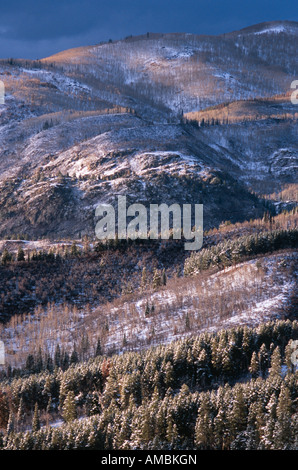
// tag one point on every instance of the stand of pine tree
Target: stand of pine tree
(236, 389)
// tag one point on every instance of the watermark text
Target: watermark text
(152, 224)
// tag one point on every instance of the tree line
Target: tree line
(233, 251)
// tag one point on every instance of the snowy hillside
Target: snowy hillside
(188, 72)
(88, 123)
(249, 293)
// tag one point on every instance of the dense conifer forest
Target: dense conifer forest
(234, 389)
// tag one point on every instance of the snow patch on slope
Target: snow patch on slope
(274, 29)
(62, 82)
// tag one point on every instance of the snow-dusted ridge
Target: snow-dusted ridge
(277, 29)
(110, 118)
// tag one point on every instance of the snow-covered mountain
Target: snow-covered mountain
(81, 126)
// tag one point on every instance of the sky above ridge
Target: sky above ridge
(34, 28)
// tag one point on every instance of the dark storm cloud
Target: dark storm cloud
(36, 20)
(35, 28)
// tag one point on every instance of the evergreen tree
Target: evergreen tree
(49, 363)
(256, 421)
(283, 428)
(247, 346)
(98, 351)
(65, 361)
(263, 359)
(36, 419)
(69, 411)
(74, 251)
(74, 358)
(111, 391)
(63, 391)
(254, 367)
(288, 357)
(21, 254)
(215, 356)
(156, 282)
(49, 409)
(123, 428)
(172, 433)
(161, 423)
(144, 279)
(57, 356)
(6, 257)
(268, 429)
(30, 364)
(147, 426)
(39, 361)
(4, 410)
(203, 369)
(204, 434)
(21, 413)
(221, 433)
(169, 374)
(11, 424)
(238, 413)
(275, 366)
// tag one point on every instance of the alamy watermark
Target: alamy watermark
(294, 355)
(152, 224)
(294, 95)
(2, 353)
(2, 92)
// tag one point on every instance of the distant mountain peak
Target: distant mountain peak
(270, 27)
